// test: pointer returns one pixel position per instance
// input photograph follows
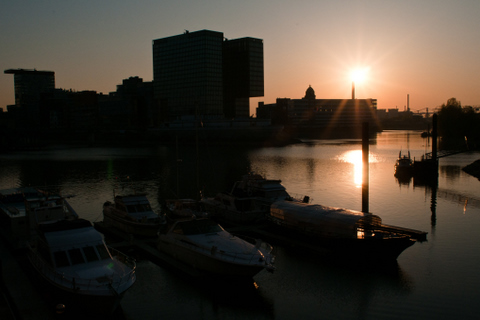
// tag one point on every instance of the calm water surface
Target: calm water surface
(437, 279)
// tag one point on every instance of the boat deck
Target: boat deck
(414, 234)
(146, 247)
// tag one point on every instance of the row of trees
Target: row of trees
(457, 123)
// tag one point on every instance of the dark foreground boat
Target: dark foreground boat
(348, 233)
(72, 262)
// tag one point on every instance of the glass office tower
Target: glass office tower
(202, 73)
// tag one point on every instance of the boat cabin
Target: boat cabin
(136, 207)
(68, 243)
(322, 221)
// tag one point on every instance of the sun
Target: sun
(359, 75)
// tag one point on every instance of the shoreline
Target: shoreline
(473, 169)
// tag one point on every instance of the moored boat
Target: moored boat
(204, 245)
(132, 214)
(249, 200)
(343, 232)
(72, 261)
(404, 165)
(14, 218)
(184, 209)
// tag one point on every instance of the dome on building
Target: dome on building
(310, 93)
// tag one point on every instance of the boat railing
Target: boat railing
(238, 257)
(126, 260)
(123, 258)
(75, 283)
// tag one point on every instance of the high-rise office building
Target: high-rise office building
(243, 75)
(202, 73)
(29, 87)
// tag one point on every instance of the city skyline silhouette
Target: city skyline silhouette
(409, 48)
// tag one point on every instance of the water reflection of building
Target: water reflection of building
(310, 115)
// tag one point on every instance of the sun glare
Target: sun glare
(359, 75)
(355, 157)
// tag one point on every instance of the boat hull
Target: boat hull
(110, 219)
(403, 171)
(101, 302)
(374, 249)
(207, 263)
(75, 302)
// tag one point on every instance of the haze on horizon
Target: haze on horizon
(427, 49)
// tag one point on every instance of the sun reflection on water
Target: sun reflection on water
(355, 157)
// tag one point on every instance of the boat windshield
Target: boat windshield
(197, 227)
(74, 256)
(276, 194)
(142, 207)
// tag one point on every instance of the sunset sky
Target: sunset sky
(429, 49)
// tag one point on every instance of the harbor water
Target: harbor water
(436, 279)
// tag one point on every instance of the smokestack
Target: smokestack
(408, 102)
(353, 89)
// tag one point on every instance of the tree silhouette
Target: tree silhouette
(457, 123)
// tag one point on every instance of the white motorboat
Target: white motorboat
(132, 214)
(204, 245)
(249, 200)
(72, 261)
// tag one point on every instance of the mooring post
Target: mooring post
(434, 138)
(365, 164)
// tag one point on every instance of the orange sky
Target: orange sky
(428, 49)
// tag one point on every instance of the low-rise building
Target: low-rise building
(312, 116)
